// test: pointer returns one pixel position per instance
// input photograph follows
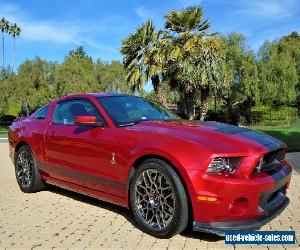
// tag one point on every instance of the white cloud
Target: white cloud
(275, 9)
(47, 32)
(39, 30)
(144, 13)
(63, 32)
(100, 47)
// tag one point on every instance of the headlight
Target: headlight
(224, 165)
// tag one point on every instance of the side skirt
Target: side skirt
(87, 191)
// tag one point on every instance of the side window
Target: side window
(41, 113)
(65, 112)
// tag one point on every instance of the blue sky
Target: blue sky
(52, 28)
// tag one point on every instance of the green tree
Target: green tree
(111, 77)
(292, 44)
(192, 57)
(76, 74)
(15, 31)
(278, 74)
(240, 82)
(5, 83)
(33, 84)
(142, 58)
(4, 26)
(79, 53)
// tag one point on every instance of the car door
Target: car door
(78, 154)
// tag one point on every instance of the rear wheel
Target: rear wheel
(158, 199)
(27, 174)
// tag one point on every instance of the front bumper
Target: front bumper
(220, 228)
(238, 203)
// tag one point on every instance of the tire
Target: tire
(159, 206)
(27, 173)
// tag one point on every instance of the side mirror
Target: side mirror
(88, 120)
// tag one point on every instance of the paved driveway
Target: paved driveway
(62, 219)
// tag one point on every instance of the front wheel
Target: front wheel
(27, 173)
(158, 199)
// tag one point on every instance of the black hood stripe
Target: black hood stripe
(266, 140)
(225, 128)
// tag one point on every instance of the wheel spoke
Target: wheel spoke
(23, 181)
(139, 193)
(169, 206)
(159, 181)
(19, 172)
(149, 177)
(167, 213)
(167, 196)
(140, 201)
(151, 219)
(145, 181)
(140, 186)
(158, 220)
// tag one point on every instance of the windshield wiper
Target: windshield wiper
(131, 123)
(127, 124)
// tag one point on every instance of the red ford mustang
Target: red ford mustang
(169, 172)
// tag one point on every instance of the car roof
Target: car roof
(101, 94)
(98, 94)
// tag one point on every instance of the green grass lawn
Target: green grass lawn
(288, 134)
(3, 132)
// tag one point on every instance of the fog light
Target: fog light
(239, 206)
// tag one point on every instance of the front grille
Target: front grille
(270, 162)
(274, 155)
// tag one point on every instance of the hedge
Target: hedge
(273, 116)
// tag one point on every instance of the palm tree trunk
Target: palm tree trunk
(25, 109)
(158, 90)
(14, 51)
(190, 105)
(2, 49)
(248, 103)
(204, 102)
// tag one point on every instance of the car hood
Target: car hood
(217, 137)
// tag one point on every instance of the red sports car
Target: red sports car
(169, 172)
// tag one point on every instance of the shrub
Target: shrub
(273, 116)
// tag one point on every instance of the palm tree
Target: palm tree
(191, 60)
(4, 26)
(142, 59)
(211, 73)
(15, 31)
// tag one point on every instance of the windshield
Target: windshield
(128, 110)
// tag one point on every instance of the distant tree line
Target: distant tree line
(39, 81)
(200, 74)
